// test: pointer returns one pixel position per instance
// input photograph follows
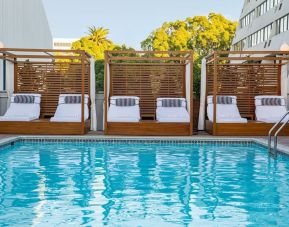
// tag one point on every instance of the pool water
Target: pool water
(96, 184)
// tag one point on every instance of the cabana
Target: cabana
(243, 76)
(143, 77)
(50, 73)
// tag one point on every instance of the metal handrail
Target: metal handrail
(277, 133)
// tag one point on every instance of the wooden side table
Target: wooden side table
(148, 117)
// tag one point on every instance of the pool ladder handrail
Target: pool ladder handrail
(276, 133)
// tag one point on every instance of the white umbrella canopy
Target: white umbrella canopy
(201, 125)
(284, 73)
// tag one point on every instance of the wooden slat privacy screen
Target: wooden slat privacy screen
(148, 82)
(50, 80)
(244, 78)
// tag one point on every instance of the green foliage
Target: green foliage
(201, 34)
(123, 47)
(99, 75)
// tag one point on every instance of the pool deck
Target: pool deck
(283, 142)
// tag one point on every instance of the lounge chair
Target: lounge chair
(23, 107)
(124, 109)
(227, 110)
(172, 110)
(69, 108)
(270, 109)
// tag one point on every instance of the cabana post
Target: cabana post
(148, 75)
(106, 90)
(83, 91)
(49, 73)
(244, 75)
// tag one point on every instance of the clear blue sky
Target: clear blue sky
(129, 21)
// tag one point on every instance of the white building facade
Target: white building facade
(23, 24)
(263, 25)
(63, 43)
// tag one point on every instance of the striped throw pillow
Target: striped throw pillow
(26, 99)
(125, 102)
(227, 100)
(171, 103)
(76, 99)
(271, 102)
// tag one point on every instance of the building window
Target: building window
(282, 24)
(266, 6)
(260, 36)
(62, 44)
(239, 46)
(246, 20)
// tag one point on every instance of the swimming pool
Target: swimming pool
(142, 184)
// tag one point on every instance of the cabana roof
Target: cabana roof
(11, 54)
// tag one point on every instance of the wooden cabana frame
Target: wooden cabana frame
(149, 75)
(49, 73)
(244, 74)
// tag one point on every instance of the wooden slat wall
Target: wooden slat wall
(50, 80)
(245, 81)
(147, 82)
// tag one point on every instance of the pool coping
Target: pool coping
(7, 141)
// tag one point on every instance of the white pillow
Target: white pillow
(210, 99)
(62, 98)
(258, 99)
(160, 104)
(113, 99)
(37, 99)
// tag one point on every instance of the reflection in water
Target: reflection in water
(142, 184)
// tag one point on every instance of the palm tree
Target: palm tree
(99, 36)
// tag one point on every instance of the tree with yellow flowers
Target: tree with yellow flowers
(202, 34)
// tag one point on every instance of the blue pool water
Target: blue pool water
(96, 184)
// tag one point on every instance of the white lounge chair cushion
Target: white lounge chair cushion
(18, 118)
(172, 114)
(270, 114)
(123, 114)
(232, 120)
(23, 111)
(67, 112)
(226, 113)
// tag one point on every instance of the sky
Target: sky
(129, 21)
